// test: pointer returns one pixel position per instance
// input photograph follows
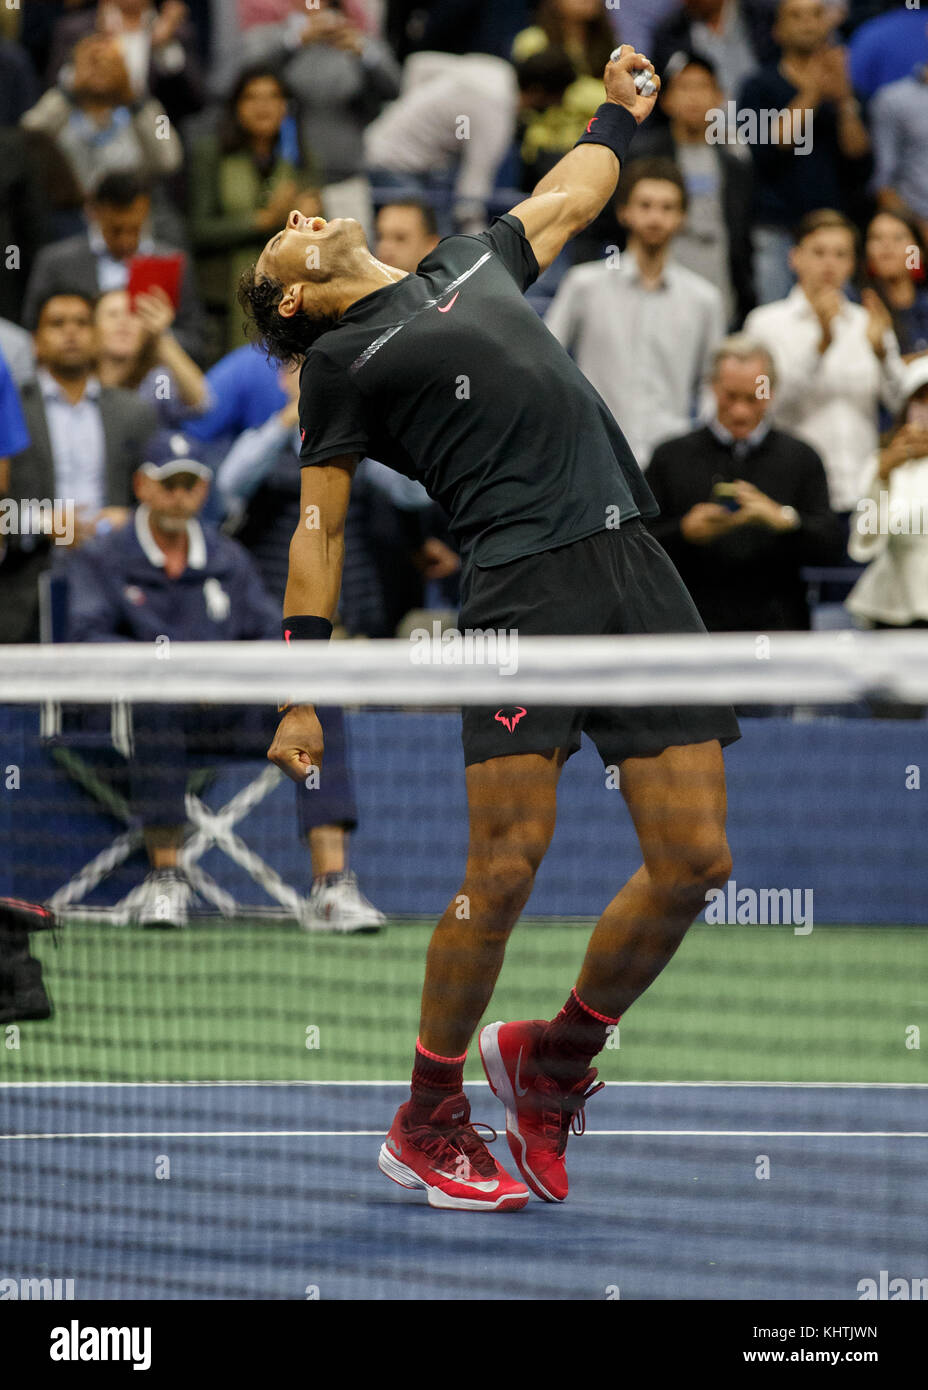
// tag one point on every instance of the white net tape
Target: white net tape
(744, 668)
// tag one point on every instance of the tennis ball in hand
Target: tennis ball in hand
(643, 79)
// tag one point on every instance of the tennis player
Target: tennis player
(448, 376)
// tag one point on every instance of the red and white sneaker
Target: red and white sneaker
(539, 1112)
(449, 1159)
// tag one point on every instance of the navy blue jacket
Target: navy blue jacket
(117, 592)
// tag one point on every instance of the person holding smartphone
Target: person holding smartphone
(744, 507)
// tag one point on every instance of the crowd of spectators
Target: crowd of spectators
(753, 307)
(780, 191)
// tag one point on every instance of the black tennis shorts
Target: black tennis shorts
(618, 581)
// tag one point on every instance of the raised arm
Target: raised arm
(580, 185)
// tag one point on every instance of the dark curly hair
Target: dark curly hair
(287, 340)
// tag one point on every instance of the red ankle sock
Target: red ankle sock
(434, 1079)
(571, 1041)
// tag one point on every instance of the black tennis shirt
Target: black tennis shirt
(449, 377)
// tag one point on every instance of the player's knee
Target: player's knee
(694, 870)
(504, 882)
(713, 870)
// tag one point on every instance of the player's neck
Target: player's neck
(370, 275)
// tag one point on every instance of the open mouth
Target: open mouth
(299, 223)
(314, 226)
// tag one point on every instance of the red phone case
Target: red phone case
(165, 272)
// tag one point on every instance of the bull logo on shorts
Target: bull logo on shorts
(512, 720)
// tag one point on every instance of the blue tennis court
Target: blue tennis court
(271, 1191)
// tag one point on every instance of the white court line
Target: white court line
(719, 1085)
(377, 1133)
(208, 1134)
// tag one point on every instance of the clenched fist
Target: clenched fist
(298, 743)
(620, 82)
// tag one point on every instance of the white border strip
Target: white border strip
(370, 1133)
(805, 668)
(719, 1085)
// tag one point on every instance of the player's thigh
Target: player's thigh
(678, 804)
(512, 806)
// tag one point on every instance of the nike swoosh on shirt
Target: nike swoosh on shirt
(590, 126)
(448, 306)
(360, 362)
(520, 1090)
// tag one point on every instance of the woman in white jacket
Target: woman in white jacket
(889, 531)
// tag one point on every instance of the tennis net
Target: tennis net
(200, 1112)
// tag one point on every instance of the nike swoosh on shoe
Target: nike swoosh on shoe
(479, 1186)
(520, 1090)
